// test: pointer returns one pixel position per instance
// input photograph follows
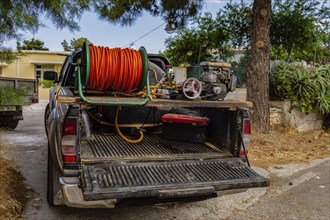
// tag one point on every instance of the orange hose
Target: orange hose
(118, 69)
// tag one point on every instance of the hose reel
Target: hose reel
(113, 69)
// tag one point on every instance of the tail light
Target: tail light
(69, 140)
(246, 136)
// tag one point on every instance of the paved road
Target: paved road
(303, 195)
(296, 192)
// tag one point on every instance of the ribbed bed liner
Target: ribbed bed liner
(111, 146)
(158, 168)
(166, 179)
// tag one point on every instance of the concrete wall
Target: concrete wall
(281, 113)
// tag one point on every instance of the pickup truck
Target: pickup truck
(15, 93)
(91, 165)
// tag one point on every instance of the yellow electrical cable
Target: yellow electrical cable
(156, 77)
(123, 136)
(122, 125)
(211, 146)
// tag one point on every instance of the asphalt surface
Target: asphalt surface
(297, 191)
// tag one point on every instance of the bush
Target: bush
(47, 83)
(11, 96)
(307, 88)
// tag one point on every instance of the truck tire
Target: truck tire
(53, 185)
(9, 123)
(46, 115)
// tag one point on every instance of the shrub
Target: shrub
(307, 88)
(47, 83)
(11, 96)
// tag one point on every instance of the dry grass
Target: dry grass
(13, 192)
(284, 145)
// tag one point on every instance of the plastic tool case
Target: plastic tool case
(185, 128)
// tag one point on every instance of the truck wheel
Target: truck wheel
(9, 123)
(53, 185)
(46, 115)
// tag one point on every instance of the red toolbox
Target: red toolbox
(185, 127)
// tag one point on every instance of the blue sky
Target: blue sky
(102, 33)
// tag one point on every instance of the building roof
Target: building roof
(40, 62)
(44, 52)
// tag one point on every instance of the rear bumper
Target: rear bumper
(71, 195)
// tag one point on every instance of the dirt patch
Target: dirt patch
(13, 191)
(284, 145)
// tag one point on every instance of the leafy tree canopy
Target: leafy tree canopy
(299, 31)
(204, 39)
(20, 16)
(209, 38)
(235, 17)
(75, 44)
(299, 28)
(125, 12)
(6, 55)
(33, 44)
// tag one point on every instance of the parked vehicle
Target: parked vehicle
(104, 151)
(15, 93)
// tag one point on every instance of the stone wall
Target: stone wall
(281, 113)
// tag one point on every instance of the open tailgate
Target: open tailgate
(167, 179)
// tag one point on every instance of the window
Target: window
(40, 69)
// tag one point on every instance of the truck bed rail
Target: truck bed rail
(160, 102)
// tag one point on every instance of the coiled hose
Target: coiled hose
(118, 69)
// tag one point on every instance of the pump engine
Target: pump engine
(215, 82)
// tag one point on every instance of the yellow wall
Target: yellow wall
(23, 68)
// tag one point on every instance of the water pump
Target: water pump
(215, 82)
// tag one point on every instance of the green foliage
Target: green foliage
(125, 12)
(299, 30)
(47, 83)
(308, 89)
(11, 96)
(209, 38)
(7, 56)
(239, 69)
(18, 17)
(201, 42)
(323, 100)
(235, 18)
(75, 44)
(33, 44)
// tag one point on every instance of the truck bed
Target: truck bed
(111, 147)
(159, 168)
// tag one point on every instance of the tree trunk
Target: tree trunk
(259, 66)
